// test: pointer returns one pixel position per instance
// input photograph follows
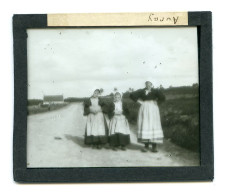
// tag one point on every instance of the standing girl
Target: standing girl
(119, 131)
(149, 122)
(96, 129)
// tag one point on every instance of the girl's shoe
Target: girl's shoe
(106, 146)
(144, 149)
(114, 148)
(123, 148)
(154, 148)
(99, 146)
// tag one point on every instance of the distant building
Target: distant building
(53, 99)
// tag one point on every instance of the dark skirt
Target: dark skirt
(89, 140)
(119, 139)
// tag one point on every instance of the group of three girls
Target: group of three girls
(116, 132)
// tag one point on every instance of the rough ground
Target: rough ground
(55, 139)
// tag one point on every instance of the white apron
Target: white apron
(95, 122)
(149, 122)
(119, 123)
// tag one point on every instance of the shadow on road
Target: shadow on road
(76, 139)
(80, 141)
(133, 146)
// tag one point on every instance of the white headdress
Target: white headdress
(117, 91)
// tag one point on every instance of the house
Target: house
(53, 99)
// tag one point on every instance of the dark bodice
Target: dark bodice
(87, 104)
(153, 95)
(111, 108)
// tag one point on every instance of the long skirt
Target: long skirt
(96, 129)
(149, 123)
(119, 131)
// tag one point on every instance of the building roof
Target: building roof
(53, 98)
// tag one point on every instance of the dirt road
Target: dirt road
(56, 139)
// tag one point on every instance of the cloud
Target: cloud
(74, 61)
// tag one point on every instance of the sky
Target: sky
(75, 62)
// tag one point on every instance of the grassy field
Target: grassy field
(180, 121)
(35, 109)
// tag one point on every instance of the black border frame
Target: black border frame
(22, 174)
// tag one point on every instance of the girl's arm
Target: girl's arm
(160, 97)
(126, 111)
(136, 95)
(87, 104)
(103, 106)
(140, 101)
(101, 102)
(111, 108)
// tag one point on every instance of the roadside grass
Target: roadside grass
(35, 109)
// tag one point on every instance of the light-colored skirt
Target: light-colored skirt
(95, 125)
(149, 123)
(119, 124)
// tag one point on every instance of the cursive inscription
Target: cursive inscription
(152, 17)
(119, 19)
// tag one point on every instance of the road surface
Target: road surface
(56, 139)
